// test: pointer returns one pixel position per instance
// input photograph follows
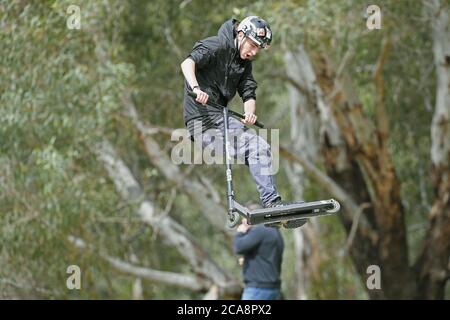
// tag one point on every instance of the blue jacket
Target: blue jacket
(262, 248)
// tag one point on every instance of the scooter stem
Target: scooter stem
(226, 139)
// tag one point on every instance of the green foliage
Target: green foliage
(60, 93)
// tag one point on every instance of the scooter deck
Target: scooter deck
(303, 210)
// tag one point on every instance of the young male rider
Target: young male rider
(215, 69)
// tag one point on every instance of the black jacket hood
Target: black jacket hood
(227, 31)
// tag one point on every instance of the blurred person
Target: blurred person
(262, 249)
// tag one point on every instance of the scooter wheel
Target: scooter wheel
(336, 206)
(233, 220)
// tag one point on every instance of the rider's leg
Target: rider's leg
(257, 155)
(259, 160)
(245, 145)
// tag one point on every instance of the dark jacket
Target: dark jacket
(220, 72)
(262, 248)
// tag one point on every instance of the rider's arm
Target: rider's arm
(245, 242)
(247, 90)
(250, 106)
(188, 68)
(201, 56)
(247, 85)
(249, 111)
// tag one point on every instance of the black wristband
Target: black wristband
(195, 87)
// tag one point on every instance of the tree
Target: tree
(355, 144)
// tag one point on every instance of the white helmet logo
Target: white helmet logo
(261, 32)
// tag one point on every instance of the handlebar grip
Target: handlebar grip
(192, 94)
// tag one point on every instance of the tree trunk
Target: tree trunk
(304, 140)
(433, 268)
(171, 231)
(356, 157)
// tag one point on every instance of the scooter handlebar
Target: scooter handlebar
(233, 113)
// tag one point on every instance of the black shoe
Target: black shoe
(273, 203)
(292, 224)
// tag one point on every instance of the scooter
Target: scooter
(284, 213)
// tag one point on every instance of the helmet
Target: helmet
(257, 30)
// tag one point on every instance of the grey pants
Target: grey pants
(245, 147)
